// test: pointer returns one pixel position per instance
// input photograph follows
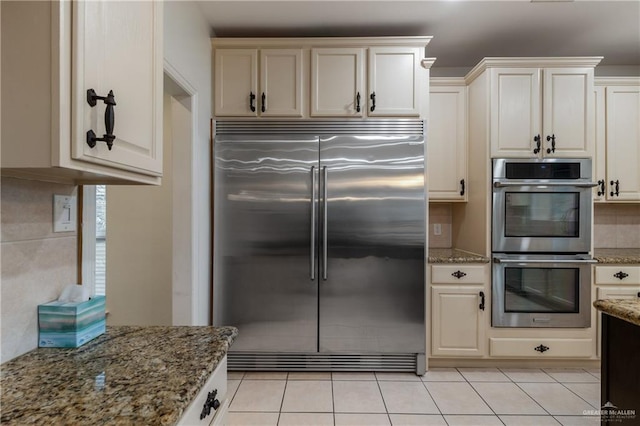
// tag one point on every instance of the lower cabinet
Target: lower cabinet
(210, 405)
(541, 347)
(459, 310)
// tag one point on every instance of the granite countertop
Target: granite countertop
(617, 256)
(625, 309)
(438, 255)
(127, 376)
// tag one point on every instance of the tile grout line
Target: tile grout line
(286, 382)
(434, 400)
(480, 396)
(525, 392)
(386, 410)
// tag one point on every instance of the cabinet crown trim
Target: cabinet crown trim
(257, 43)
(447, 81)
(616, 81)
(532, 62)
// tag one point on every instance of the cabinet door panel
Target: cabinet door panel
(446, 143)
(393, 77)
(568, 109)
(281, 82)
(337, 76)
(118, 46)
(236, 77)
(515, 111)
(623, 142)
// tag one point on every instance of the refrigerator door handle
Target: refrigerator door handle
(324, 222)
(314, 197)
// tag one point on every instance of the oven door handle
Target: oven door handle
(502, 260)
(523, 183)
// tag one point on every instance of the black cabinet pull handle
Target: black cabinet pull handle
(211, 402)
(481, 300)
(252, 98)
(541, 348)
(537, 141)
(373, 99)
(602, 190)
(639, 294)
(551, 138)
(264, 101)
(109, 118)
(358, 102)
(621, 275)
(462, 187)
(617, 188)
(459, 274)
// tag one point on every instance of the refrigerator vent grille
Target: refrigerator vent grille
(320, 127)
(250, 361)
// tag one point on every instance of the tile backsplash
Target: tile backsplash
(36, 262)
(616, 226)
(440, 214)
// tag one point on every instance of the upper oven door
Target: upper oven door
(541, 218)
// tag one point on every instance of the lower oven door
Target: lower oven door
(541, 291)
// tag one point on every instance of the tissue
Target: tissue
(74, 293)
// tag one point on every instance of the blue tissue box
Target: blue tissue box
(70, 324)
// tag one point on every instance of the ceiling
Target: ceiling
(463, 31)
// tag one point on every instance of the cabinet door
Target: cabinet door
(599, 162)
(623, 143)
(457, 327)
(447, 143)
(568, 111)
(117, 46)
(236, 82)
(515, 111)
(393, 81)
(281, 82)
(337, 82)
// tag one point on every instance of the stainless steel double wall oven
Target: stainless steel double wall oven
(541, 239)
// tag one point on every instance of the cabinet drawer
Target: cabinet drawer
(218, 381)
(548, 348)
(444, 274)
(617, 275)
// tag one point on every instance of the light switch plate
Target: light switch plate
(65, 213)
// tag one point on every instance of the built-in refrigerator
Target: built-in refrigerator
(319, 244)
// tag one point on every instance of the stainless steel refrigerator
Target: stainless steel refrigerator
(319, 244)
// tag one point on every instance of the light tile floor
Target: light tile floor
(443, 396)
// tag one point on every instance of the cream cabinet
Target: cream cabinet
(459, 310)
(447, 140)
(85, 104)
(258, 82)
(618, 139)
(538, 107)
(339, 89)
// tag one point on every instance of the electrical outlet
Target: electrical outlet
(437, 229)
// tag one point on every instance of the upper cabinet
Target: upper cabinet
(447, 140)
(252, 82)
(617, 139)
(539, 107)
(85, 105)
(346, 77)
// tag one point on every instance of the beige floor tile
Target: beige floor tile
(483, 375)
(579, 420)
(361, 420)
(265, 375)
(417, 420)
(235, 375)
(312, 375)
(443, 375)
(407, 398)
(457, 398)
(252, 419)
(594, 372)
(571, 375)
(507, 398)
(308, 396)
(306, 419)
(353, 376)
(398, 377)
(527, 375)
(529, 421)
(258, 395)
(473, 420)
(590, 392)
(232, 387)
(555, 398)
(357, 397)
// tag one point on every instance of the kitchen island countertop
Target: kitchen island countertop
(129, 375)
(624, 309)
(451, 255)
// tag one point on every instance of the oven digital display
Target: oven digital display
(553, 171)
